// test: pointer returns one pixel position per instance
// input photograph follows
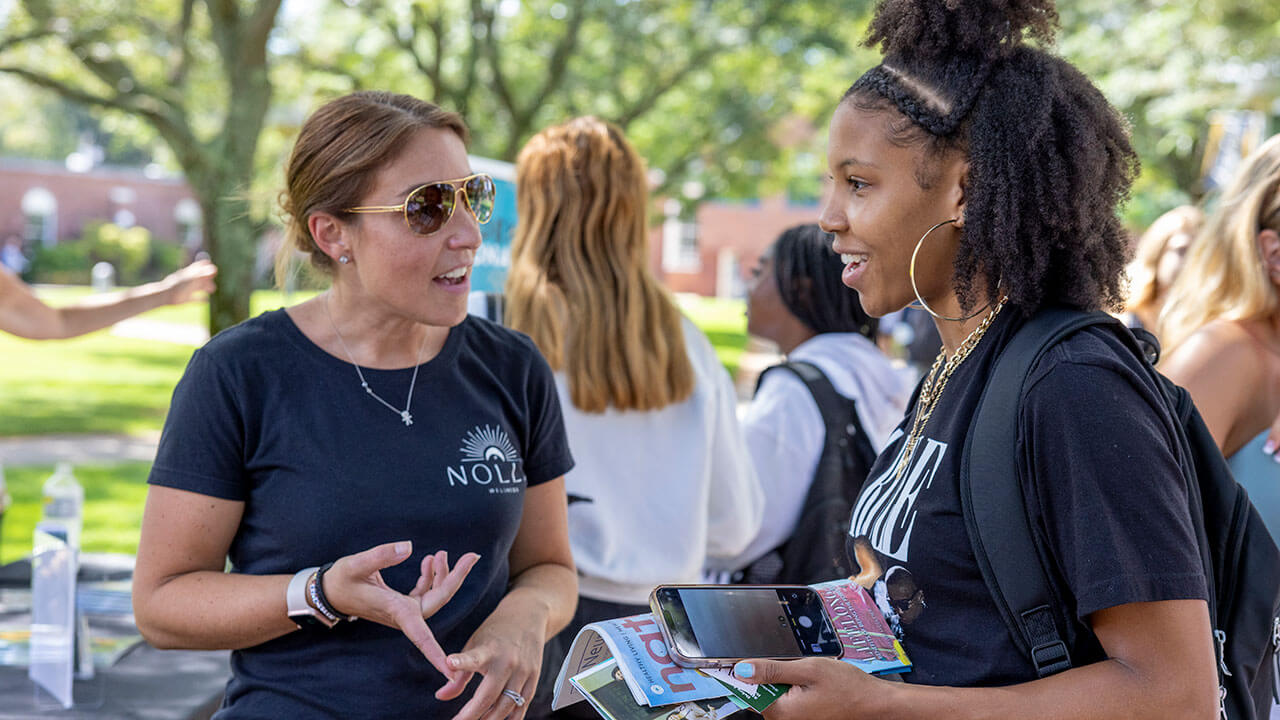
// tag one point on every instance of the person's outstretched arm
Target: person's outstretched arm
(25, 315)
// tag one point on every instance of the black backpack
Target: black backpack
(1240, 557)
(815, 552)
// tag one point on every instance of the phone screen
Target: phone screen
(744, 622)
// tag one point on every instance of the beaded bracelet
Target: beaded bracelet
(317, 599)
(320, 592)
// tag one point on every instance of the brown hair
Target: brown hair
(340, 148)
(1224, 275)
(1145, 293)
(579, 283)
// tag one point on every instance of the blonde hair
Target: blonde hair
(579, 282)
(338, 151)
(1223, 276)
(1144, 286)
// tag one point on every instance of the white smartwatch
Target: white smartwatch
(300, 611)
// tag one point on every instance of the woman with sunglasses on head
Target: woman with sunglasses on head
(341, 451)
(1221, 326)
(663, 479)
(980, 176)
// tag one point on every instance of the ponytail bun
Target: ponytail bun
(1049, 159)
(987, 29)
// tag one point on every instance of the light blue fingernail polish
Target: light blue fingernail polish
(744, 670)
(1269, 447)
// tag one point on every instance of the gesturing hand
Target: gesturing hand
(354, 586)
(185, 284)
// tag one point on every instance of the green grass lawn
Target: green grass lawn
(98, 383)
(114, 497)
(725, 323)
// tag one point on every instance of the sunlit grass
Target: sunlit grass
(114, 498)
(99, 383)
(725, 323)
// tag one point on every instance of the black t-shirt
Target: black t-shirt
(266, 417)
(1103, 489)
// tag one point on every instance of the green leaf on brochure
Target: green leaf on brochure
(745, 695)
(763, 698)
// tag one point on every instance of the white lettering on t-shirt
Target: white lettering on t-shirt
(886, 510)
(487, 456)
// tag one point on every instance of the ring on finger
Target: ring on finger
(516, 697)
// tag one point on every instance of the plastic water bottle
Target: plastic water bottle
(64, 503)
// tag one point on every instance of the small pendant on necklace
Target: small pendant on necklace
(406, 417)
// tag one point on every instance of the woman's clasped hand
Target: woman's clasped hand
(355, 588)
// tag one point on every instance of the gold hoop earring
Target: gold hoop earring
(911, 272)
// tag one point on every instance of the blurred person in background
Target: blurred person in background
(663, 480)
(1221, 326)
(25, 315)
(795, 298)
(12, 257)
(1156, 262)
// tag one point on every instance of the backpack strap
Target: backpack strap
(992, 501)
(839, 413)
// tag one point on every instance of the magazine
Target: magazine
(653, 680)
(635, 643)
(864, 634)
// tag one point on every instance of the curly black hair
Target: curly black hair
(1050, 160)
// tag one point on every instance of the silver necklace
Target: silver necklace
(405, 416)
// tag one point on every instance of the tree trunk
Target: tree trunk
(222, 182)
(231, 237)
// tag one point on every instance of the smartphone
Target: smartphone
(717, 625)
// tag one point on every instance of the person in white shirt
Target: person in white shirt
(663, 480)
(797, 300)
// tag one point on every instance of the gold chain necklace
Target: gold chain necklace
(938, 375)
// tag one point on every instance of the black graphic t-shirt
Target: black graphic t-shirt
(266, 417)
(1102, 487)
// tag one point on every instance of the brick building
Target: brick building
(712, 255)
(45, 203)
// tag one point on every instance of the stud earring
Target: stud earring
(344, 259)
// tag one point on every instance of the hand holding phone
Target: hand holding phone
(717, 625)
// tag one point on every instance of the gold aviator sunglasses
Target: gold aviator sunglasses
(428, 207)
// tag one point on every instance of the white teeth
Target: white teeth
(848, 258)
(456, 274)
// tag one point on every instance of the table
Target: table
(144, 683)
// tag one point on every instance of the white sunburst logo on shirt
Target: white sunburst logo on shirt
(488, 459)
(486, 444)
